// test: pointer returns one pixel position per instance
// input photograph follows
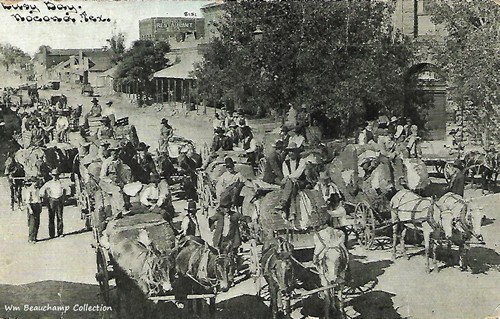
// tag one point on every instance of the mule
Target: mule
(277, 267)
(467, 218)
(331, 259)
(208, 268)
(424, 214)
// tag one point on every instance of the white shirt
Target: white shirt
(295, 170)
(62, 123)
(31, 194)
(53, 189)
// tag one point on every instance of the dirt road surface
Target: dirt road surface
(60, 272)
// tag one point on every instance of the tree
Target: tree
(10, 55)
(117, 45)
(341, 58)
(138, 65)
(470, 58)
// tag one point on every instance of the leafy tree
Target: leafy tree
(117, 45)
(341, 58)
(470, 58)
(138, 65)
(10, 55)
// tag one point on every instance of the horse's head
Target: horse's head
(224, 271)
(447, 222)
(330, 256)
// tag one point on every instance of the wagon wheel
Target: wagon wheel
(102, 276)
(366, 235)
(260, 166)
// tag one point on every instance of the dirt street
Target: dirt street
(60, 272)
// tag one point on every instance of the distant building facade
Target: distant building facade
(168, 28)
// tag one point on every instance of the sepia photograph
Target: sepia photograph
(249, 159)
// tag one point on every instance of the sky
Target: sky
(124, 16)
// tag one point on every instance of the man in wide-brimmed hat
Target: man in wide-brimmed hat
(56, 193)
(293, 176)
(229, 183)
(96, 109)
(273, 169)
(32, 200)
(457, 181)
(190, 225)
(166, 132)
(297, 137)
(106, 131)
(143, 164)
(112, 179)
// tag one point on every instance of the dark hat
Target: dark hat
(219, 130)
(279, 144)
(95, 100)
(164, 121)
(191, 206)
(458, 164)
(109, 102)
(284, 128)
(105, 119)
(228, 162)
(240, 112)
(142, 147)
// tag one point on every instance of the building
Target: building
(171, 28)
(72, 65)
(175, 83)
(412, 18)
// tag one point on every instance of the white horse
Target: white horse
(424, 213)
(331, 259)
(467, 218)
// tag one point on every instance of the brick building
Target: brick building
(169, 28)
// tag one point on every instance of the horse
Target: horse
(486, 165)
(424, 213)
(15, 172)
(331, 259)
(467, 216)
(277, 267)
(207, 267)
(166, 167)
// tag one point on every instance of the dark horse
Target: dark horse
(486, 165)
(15, 173)
(208, 269)
(277, 267)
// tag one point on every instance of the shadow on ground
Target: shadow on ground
(482, 259)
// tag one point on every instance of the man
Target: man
(293, 176)
(166, 132)
(284, 135)
(56, 193)
(106, 131)
(248, 144)
(157, 198)
(111, 180)
(217, 122)
(226, 231)
(221, 141)
(413, 143)
(62, 127)
(273, 170)
(229, 184)
(457, 182)
(31, 197)
(190, 225)
(330, 192)
(96, 109)
(366, 135)
(110, 112)
(296, 137)
(144, 165)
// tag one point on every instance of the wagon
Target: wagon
(130, 267)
